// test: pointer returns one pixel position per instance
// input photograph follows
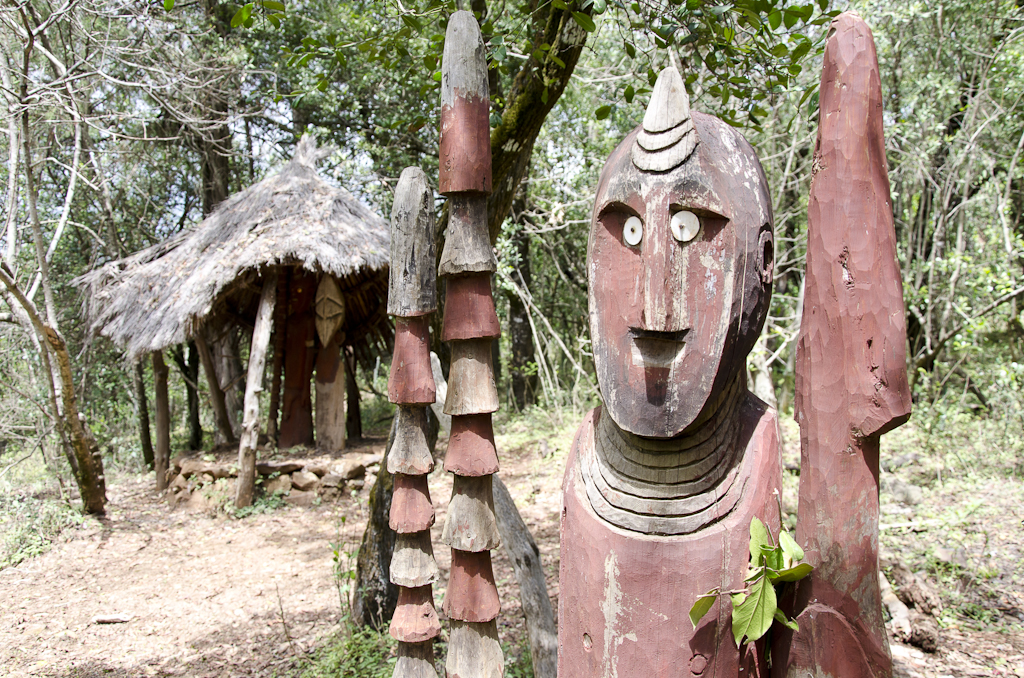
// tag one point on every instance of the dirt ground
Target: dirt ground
(211, 595)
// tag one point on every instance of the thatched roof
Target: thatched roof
(209, 274)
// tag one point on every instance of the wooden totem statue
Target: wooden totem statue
(662, 481)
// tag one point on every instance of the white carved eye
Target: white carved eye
(633, 231)
(685, 226)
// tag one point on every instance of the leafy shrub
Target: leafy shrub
(29, 525)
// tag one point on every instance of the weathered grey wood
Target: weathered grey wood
(329, 308)
(413, 561)
(220, 412)
(669, 105)
(415, 660)
(330, 398)
(524, 555)
(441, 388)
(474, 651)
(280, 329)
(464, 60)
(246, 483)
(162, 454)
(410, 453)
(412, 281)
(470, 524)
(142, 412)
(668, 136)
(467, 247)
(471, 388)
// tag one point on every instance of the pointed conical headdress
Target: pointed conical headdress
(668, 136)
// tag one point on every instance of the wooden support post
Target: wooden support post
(246, 484)
(330, 398)
(139, 384)
(162, 454)
(280, 330)
(299, 353)
(220, 411)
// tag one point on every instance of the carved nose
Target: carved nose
(660, 313)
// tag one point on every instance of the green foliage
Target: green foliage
(354, 652)
(30, 525)
(264, 503)
(756, 607)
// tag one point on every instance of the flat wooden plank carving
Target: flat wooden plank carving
(470, 523)
(465, 156)
(412, 288)
(469, 308)
(330, 397)
(472, 595)
(474, 651)
(412, 563)
(851, 380)
(415, 619)
(471, 450)
(330, 308)
(471, 388)
(411, 381)
(410, 454)
(411, 508)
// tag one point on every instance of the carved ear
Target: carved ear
(766, 255)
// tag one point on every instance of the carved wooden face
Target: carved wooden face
(679, 270)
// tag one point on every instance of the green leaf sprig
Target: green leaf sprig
(756, 607)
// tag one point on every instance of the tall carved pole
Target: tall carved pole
(470, 325)
(851, 369)
(412, 297)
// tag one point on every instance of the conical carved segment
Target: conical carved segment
(474, 651)
(667, 137)
(415, 660)
(469, 309)
(412, 287)
(410, 454)
(411, 509)
(472, 595)
(412, 563)
(471, 388)
(471, 449)
(411, 381)
(470, 524)
(465, 157)
(415, 619)
(467, 247)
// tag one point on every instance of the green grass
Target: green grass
(30, 525)
(354, 652)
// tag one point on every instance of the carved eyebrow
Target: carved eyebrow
(700, 198)
(617, 206)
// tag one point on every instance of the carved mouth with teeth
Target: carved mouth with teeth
(651, 348)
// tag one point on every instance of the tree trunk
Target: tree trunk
(220, 412)
(163, 421)
(195, 426)
(145, 439)
(353, 417)
(524, 555)
(280, 330)
(229, 372)
(330, 398)
(299, 353)
(374, 597)
(253, 385)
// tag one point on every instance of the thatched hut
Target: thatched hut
(292, 257)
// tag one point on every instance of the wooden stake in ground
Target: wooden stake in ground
(253, 385)
(470, 325)
(162, 454)
(411, 300)
(851, 376)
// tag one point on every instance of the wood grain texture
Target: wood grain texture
(465, 154)
(329, 308)
(412, 288)
(410, 453)
(471, 388)
(411, 508)
(330, 397)
(469, 309)
(474, 651)
(472, 595)
(415, 619)
(299, 359)
(471, 450)
(411, 381)
(413, 563)
(162, 453)
(524, 555)
(280, 330)
(467, 246)
(851, 381)
(470, 523)
(220, 410)
(415, 660)
(253, 385)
